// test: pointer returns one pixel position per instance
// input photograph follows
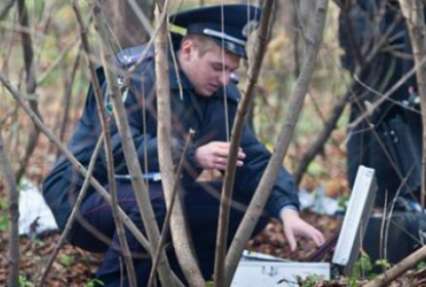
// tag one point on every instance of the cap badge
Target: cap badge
(249, 27)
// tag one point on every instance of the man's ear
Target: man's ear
(187, 48)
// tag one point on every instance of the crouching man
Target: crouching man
(203, 98)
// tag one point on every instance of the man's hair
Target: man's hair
(201, 42)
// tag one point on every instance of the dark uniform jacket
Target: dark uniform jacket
(205, 115)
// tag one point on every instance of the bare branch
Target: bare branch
(322, 137)
(165, 229)
(31, 85)
(237, 129)
(133, 165)
(386, 96)
(6, 8)
(76, 207)
(397, 270)
(129, 20)
(12, 192)
(269, 176)
(104, 120)
(57, 61)
(19, 98)
(178, 225)
(68, 84)
(143, 19)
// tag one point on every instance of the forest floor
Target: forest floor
(75, 267)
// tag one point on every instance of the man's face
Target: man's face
(209, 71)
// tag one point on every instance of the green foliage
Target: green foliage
(316, 169)
(66, 260)
(343, 201)
(4, 220)
(310, 281)
(24, 184)
(421, 265)
(94, 283)
(352, 282)
(24, 282)
(363, 267)
(383, 264)
(36, 8)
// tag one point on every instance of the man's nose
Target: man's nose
(224, 78)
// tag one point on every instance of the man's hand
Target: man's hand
(296, 226)
(214, 155)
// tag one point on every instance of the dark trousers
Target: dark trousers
(202, 209)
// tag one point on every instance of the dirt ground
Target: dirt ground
(75, 267)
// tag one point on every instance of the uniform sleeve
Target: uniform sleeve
(284, 191)
(134, 97)
(139, 102)
(143, 135)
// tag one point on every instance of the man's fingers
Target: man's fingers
(222, 149)
(241, 154)
(315, 235)
(291, 238)
(318, 238)
(221, 152)
(222, 162)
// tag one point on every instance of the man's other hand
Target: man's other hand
(295, 226)
(214, 155)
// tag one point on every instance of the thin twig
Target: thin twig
(13, 195)
(19, 98)
(58, 60)
(67, 95)
(178, 226)
(398, 269)
(237, 129)
(131, 156)
(70, 220)
(323, 136)
(143, 19)
(5, 9)
(104, 120)
(165, 228)
(31, 86)
(373, 107)
(281, 146)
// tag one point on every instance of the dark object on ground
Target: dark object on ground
(405, 234)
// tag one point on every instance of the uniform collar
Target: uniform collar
(177, 76)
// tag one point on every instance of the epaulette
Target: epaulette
(132, 55)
